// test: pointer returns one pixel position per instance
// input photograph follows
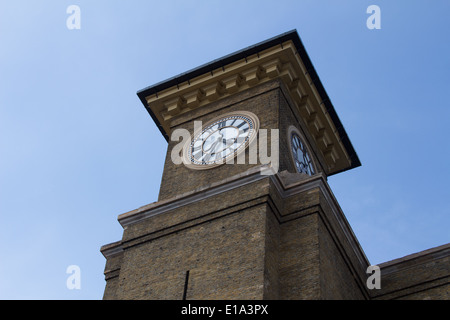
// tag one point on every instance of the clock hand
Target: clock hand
(213, 146)
(210, 143)
(216, 143)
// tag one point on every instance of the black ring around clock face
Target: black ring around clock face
(301, 157)
(221, 139)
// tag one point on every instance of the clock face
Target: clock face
(301, 156)
(220, 140)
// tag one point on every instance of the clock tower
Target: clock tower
(244, 209)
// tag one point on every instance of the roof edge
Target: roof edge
(246, 52)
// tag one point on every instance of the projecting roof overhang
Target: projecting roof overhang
(282, 57)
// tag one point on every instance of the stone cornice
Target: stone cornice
(281, 61)
(111, 249)
(415, 259)
(187, 198)
(286, 184)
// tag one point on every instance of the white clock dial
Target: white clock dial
(221, 139)
(300, 154)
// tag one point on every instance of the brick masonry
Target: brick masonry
(246, 236)
(245, 249)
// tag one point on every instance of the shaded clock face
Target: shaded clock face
(221, 139)
(301, 156)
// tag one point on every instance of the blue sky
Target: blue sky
(77, 148)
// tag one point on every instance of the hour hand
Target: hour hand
(217, 147)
